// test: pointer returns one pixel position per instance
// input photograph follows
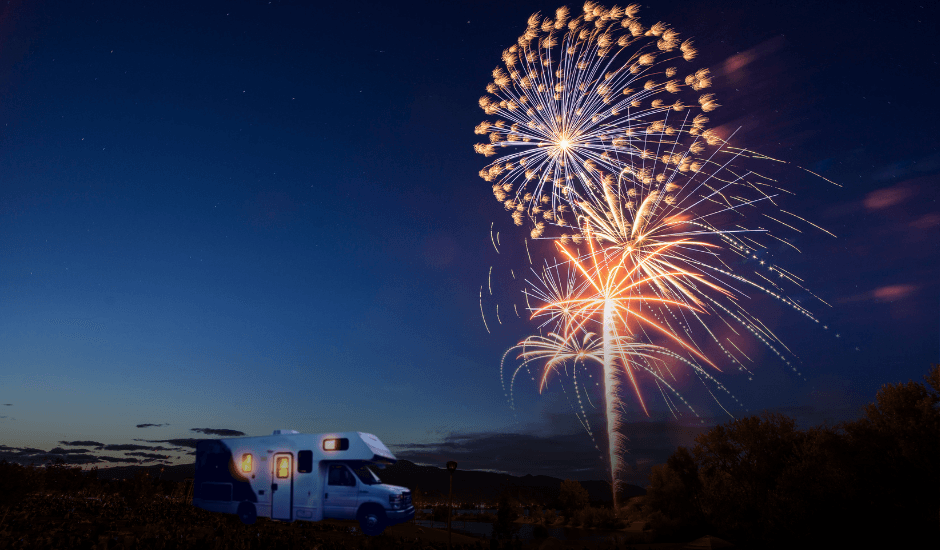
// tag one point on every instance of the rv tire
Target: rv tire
(372, 520)
(247, 513)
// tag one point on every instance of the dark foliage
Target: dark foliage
(15, 484)
(439, 513)
(761, 481)
(573, 497)
(506, 515)
(110, 521)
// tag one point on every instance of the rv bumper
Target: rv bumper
(400, 516)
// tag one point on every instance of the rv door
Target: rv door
(282, 497)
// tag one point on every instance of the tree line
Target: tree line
(761, 481)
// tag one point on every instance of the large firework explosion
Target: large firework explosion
(602, 145)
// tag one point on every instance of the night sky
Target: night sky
(225, 218)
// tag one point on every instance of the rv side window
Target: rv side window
(340, 475)
(336, 444)
(305, 462)
(246, 463)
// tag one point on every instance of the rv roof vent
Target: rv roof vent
(284, 432)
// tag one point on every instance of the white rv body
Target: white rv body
(291, 476)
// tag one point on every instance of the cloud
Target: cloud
(891, 196)
(218, 432)
(739, 61)
(888, 293)
(190, 443)
(569, 452)
(893, 292)
(149, 456)
(927, 221)
(151, 425)
(134, 453)
(82, 443)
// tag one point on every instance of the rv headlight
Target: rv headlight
(395, 501)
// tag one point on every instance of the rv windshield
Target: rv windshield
(364, 473)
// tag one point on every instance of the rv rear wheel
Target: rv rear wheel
(372, 520)
(247, 513)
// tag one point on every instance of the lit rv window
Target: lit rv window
(336, 444)
(246, 463)
(283, 467)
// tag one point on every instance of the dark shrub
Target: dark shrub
(439, 513)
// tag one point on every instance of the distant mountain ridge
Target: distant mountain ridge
(468, 485)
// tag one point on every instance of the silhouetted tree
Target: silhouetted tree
(739, 466)
(141, 489)
(676, 491)
(506, 515)
(573, 497)
(16, 482)
(760, 480)
(896, 454)
(91, 481)
(439, 513)
(61, 478)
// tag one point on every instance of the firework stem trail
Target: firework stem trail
(590, 150)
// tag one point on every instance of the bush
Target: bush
(549, 517)
(635, 509)
(15, 484)
(606, 518)
(60, 478)
(667, 529)
(506, 515)
(573, 496)
(439, 513)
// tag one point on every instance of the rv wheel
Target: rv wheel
(247, 513)
(372, 520)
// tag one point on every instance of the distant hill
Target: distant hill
(468, 485)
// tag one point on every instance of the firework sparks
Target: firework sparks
(603, 145)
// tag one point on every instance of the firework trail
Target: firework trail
(603, 148)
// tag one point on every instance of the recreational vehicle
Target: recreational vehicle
(289, 476)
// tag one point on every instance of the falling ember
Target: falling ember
(600, 141)
(481, 311)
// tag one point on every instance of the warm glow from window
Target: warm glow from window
(283, 467)
(246, 463)
(329, 445)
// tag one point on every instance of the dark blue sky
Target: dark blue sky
(256, 215)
